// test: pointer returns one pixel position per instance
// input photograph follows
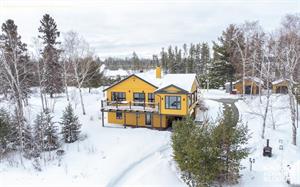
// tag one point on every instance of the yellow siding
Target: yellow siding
(181, 112)
(131, 119)
(195, 86)
(282, 84)
(131, 85)
(239, 86)
(135, 84)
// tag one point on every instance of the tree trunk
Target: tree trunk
(265, 117)
(81, 101)
(293, 114)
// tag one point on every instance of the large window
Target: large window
(173, 102)
(138, 98)
(150, 97)
(118, 96)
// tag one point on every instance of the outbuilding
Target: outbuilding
(251, 85)
(280, 86)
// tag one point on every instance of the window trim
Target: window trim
(117, 93)
(141, 102)
(151, 99)
(177, 100)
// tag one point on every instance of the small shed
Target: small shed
(280, 86)
(251, 85)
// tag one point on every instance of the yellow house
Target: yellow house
(280, 86)
(251, 85)
(150, 99)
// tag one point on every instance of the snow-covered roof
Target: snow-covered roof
(183, 81)
(115, 73)
(255, 79)
(279, 81)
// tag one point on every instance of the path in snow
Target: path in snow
(117, 180)
(231, 103)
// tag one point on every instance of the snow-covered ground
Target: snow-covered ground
(108, 156)
(114, 156)
(270, 171)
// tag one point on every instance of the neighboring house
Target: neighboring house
(280, 86)
(251, 85)
(150, 99)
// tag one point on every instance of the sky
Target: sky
(117, 28)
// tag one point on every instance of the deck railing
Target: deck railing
(130, 105)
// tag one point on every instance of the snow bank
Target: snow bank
(217, 94)
(295, 173)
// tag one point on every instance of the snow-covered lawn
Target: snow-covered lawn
(269, 171)
(114, 156)
(108, 156)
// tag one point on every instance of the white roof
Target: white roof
(255, 79)
(183, 81)
(278, 81)
(115, 73)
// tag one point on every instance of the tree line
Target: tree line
(52, 67)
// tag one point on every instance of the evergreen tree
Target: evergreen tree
(71, 125)
(18, 60)
(164, 60)
(191, 59)
(227, 53)
(205, 58)
(5, 130)
(40, 124)
(184, 60)
(21, 138)
(208, 154)
(229, 138)
(171, 59)
(194, 153)
(45, 132)
(198, 63)
(136, 62)
(52, 79)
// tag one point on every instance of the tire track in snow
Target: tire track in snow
(116, 179)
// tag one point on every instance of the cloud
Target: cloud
(120, 27)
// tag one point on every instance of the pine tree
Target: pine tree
(205, 58)
(45, 132)
(136, 61)
(52, 79)
(194, 153)
(164, 60)
(71, 125)
(21, 136)
(229, 138)
(5, 130)
(208, 154)
(18, 60)
(40, 125)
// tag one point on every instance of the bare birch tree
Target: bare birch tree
(13, 62)
(81, 58)
(288, 56)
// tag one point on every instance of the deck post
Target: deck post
(136, 119)
(102, 113)
(130, 105)
(124, 118)
(160, 121)
(144, 104)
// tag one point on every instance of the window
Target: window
(118, 96)
(150, 97)
(173, 102)
(138, 99)
(119, 115)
